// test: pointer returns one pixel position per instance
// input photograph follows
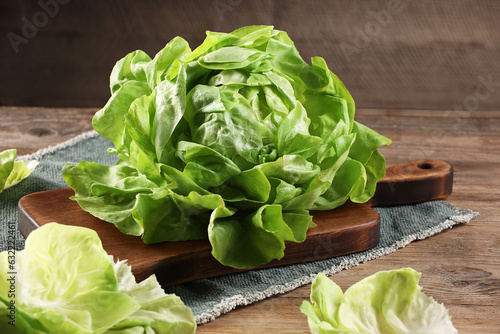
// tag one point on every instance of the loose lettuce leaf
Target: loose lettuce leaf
(158, 313)
(65, 282)
(235, 141)
(12, 172)
(386, 302)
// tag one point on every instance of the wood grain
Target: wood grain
(460, 267)
(414, 182)
(416, 54)
(31, 129)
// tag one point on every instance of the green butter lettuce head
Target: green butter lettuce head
(65, 282)
(12, 172)
(234, 141)
(388, 302)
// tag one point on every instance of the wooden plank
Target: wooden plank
(418, 55)
(29, 129)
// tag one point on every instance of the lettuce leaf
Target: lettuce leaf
(234, 141)
(65, 282)
(12, 172)
(386, 302)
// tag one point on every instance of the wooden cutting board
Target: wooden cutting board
(350, 228)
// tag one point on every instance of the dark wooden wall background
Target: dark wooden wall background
(423, 55)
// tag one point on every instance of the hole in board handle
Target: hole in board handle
(425, 165)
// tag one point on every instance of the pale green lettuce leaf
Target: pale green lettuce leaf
(170, 101)
(137, 206)
(109, 192)
(110, 120)
(158, 313)
(164, 60)
(129, 68)
(388, 302)
(11, 171)
(65, 282)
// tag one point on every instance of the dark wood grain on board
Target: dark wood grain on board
(389, 53)
(413, 182)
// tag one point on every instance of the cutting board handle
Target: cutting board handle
(414, 182)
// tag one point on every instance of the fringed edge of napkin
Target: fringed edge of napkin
(228, 304)
(51, 149)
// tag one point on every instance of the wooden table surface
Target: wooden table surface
(460, 266)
